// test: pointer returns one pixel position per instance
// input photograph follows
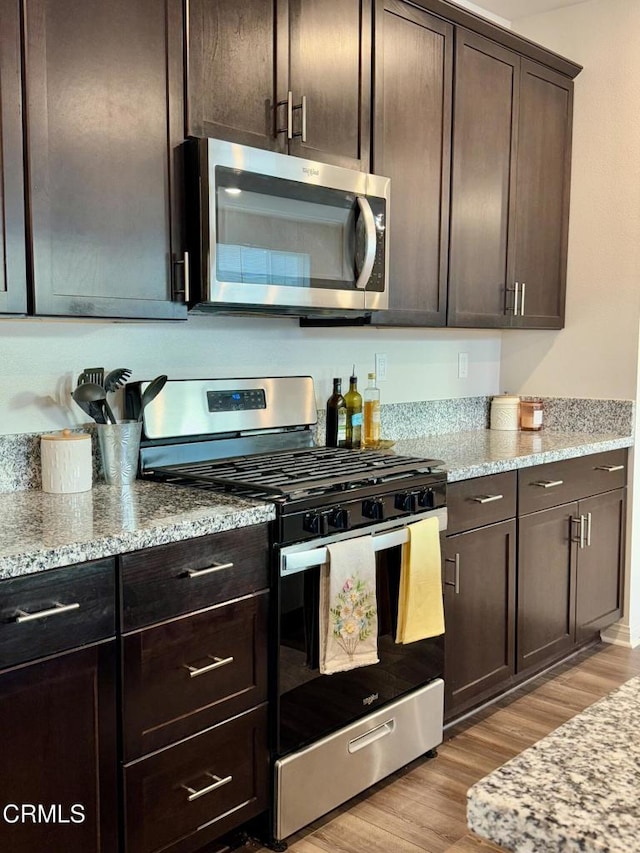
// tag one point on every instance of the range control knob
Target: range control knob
(316, 523)
(406, 501)
(340, 519)
(373, 508)
(426, 498)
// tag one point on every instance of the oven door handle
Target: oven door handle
(301, 560)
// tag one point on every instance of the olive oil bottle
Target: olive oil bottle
(353, 400)
(336, 417)
(371, 423)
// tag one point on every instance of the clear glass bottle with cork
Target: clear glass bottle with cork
(371, 420)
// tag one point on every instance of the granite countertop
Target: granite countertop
(43, 531)
(575, 790)
(476, 453)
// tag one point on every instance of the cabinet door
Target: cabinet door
(231, 72)
(542, 195)
(600, 562)
(327, 44)
(57, 736)
(104, 117)
(546, 586)
(412, 136)
(13, 276)
(479, 614)
(484, 141)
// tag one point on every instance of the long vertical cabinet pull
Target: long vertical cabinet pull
(456, 581)
(522, 296)
(588, 530)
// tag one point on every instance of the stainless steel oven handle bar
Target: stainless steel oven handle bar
(299, 561)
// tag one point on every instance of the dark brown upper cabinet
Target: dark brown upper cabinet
(509, 189)
(541, 207)
(105, 118)
(13, 276)
(411, 145)
(287, 75)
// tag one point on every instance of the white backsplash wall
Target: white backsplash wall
(41, 359)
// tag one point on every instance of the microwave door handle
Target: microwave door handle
(371, 237)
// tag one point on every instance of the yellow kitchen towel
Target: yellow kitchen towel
(420, 609)
(348, 606)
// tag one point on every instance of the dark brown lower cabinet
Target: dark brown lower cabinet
(182, 797)
(570, 566)
(58, 745)
(480, 578)
(546, 586)
(600, 563)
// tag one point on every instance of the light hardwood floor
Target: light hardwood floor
(422, 807)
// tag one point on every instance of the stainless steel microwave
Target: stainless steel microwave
(282, 234)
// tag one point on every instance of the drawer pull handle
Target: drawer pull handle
(371, 736)
(487, 499)
(218, 783)
(23, 616)
(216, 567)
(547, 484)
(194, 671)
(609, 468)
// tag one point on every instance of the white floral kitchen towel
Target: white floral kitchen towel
(348, 607)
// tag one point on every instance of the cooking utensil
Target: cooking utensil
(151, 392)
(94, 410)
(91, 392)
(93, 374)
(115, 379)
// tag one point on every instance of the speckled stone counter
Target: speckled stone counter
(576, 790)
(42, 531)
(476, 453)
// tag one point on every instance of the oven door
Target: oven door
(288, 233)
(312, 705)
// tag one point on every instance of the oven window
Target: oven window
(313, 705)
(273, 231)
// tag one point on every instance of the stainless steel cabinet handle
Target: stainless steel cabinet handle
(216, 567)
(289, 115)
(187, 292)
(218, 783)
(195, 671)
(547, 484)
(516, 291)
(588, 530)
(609, 468)
(304, 118)
(524, 293)
(580, 519)
(487, 499)
(56, 610)
(456, 582)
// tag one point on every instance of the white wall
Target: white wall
(41, 359)
(596, 354)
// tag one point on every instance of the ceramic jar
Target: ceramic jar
(66, 462)
(505, 412)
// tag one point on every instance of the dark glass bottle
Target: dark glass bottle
(353, 400)
(336, 417)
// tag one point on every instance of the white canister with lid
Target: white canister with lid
(66, 462)
(505, 412)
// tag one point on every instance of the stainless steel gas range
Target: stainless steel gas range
(332, 735)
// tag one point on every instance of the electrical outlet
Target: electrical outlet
(381, 366)
(463, 365)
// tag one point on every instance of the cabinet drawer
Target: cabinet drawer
(557, 483)
(51, 611)
(483, 500)
(166, 581)
(182, 797)
(193, 672)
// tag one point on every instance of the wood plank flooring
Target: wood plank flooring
(422, 807)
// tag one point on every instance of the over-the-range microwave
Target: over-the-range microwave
(270, 232)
